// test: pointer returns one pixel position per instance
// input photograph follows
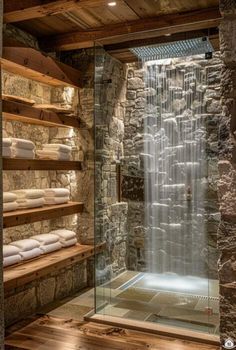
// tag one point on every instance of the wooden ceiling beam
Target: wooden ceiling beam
(211, 33)
(133, 30)
(22, 10)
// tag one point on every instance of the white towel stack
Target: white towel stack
(30, 198)
(22, 148)
(56, 195)
(48, 242)
(11, 255)
(67, 238)
(28, 248)
(55, 151)
(9, 201)
(6, 147)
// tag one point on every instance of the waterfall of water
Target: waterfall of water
(175, 167)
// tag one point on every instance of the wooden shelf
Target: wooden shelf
(35, 65)
(20, 274)
(28, 114)
(28, 216)
(39, 164)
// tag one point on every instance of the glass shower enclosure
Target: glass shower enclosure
(155, 200)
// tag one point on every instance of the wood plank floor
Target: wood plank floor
(50, 333)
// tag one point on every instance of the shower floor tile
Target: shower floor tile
(113, 311)
(174, 299)
(193, 316)
(137, 306)
(143, 295)
(138, 315)
(70, 310)
(122, 279)
(202, 304)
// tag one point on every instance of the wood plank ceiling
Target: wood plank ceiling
(71, 24)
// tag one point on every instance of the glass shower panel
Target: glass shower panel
(162, 178)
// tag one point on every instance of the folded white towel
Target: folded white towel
(56, 200)
(22, 153)
(46, 238)
(50, 247)
(26, 244)
(30, 254)
(6, 152)
(64, 234)
(54, 155)
(10, 250)
(10, 206)
(22, 143)
(56, 192)
(6, 142)
(57, 147)
(11, 260)
(69, 242)
(29, 194)
(25, 203)
(9, 197)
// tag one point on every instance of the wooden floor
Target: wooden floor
(50, 333)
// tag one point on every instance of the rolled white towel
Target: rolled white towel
(50, 247)
(6, 142)
(63, 234)
(9, 197)
(54, 155)
(69, 242)
(29, 194)
(30, 254)
(22, 153)
(46, 238)
(26, 244)
(56, 200)
(6, 152)
(10, 206)
(10, 250)
(56, 192)
(25, 203)
(23, 144)
(57, 147)
(11, 260)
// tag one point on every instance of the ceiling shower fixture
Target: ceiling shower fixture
(174, 49)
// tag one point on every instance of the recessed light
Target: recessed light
(168, 34)
(112, 3)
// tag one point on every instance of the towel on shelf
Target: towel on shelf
(10, 206)
(10, 250)
(25, 203)
(69, 242)
(46, 238)
(22, 144)
(56, 200)
(22, 153)
(9, 197)
(30, 254)
(50, 247)
(57, 147)
(29, 193)
(6, 142)
(6, 152)
(56, 192)
(53, 155)
(64, 234)
(26, 244)
(11, 260)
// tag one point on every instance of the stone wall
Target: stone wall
(227, 169)
(111, 215)
(148, 109)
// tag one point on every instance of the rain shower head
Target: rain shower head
(174, 49)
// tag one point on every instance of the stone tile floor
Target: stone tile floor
(143, 297)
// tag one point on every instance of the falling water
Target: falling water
(175, 167)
